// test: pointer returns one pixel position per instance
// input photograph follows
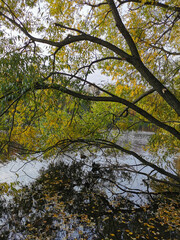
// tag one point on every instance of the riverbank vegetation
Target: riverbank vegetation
(50, 106)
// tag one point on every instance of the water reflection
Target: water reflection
(93, 195)
(69, 202)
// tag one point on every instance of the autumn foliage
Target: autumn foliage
(51, 104)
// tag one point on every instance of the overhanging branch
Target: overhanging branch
(152, 3)
(123, 29)
(108, 144)
(134, 60)
(113, 98)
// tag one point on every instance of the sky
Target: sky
(98, 78)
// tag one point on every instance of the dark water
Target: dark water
(88, 195)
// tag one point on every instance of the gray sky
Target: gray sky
(97, 78)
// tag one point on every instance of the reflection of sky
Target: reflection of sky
(27, 171)
(22, 171)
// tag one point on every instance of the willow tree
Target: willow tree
(50, 48)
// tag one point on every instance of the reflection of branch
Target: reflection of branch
(109, 144)
(132, 170)
(126, 189)
(21, 167)
(64, 144)
(34, 178)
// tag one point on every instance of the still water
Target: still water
(27, 171)
(91, 190)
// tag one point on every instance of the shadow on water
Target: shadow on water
(80, 201)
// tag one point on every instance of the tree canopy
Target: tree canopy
(49, 49)
(49, 105)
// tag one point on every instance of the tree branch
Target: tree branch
(109, 144)
(69, 28)
(123, 29)
(113, 98)
(162, 49)
(135, 61)
(152, 3)
(137, 100)
(94, 5)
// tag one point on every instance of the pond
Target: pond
(27, 171)
(88, 195)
